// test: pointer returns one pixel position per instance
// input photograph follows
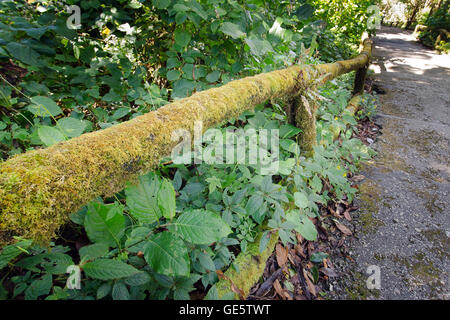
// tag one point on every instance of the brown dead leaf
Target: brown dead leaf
(291, 258)
(311, 286)
(299, 238)
(300, 251)
(347, 215)
(278, 288)
(329, 272)
(334, 212)
(282, 255)
(221, 275)
(346, 231)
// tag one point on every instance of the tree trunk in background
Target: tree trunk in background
(433, 7)
(413, 15)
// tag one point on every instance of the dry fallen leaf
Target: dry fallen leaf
(291, 258)
(282, 255)
(347, 215)
(311, 286)
(333, 212)
(329, 272)
(299, 238)
(346, 231)
(278, 288)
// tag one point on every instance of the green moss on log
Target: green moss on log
(250, 264)
(305, 119)
(40, 189)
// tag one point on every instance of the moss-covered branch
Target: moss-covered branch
(41, 188)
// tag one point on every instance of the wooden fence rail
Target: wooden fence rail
(39, 189)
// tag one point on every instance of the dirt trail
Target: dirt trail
(403, 224)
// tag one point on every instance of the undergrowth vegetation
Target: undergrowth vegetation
(440, 20)
(166, 236)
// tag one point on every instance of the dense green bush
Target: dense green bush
(438, 20)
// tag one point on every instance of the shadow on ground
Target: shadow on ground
(403, 224)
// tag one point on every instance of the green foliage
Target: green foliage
(438, 20)
(174, 227)
(347, 18)
(368, 106)
(10, 252)
(108, 269)
(161, 236)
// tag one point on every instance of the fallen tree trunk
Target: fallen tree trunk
(39, 189)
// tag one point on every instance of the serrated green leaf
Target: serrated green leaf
(120, 291)
(206, 261)
(93, 251)
(104, 223)
(173, 63)
(259, 47)
(11, 251)
(181, 294)
(166, 199)
(301, 200)
(232, 29)
(264, 241)
(50, 135)
(200, 227)
(56, 262)
(44, 107)
(182, 38)
(142, 199)
(166, 254)
(108, 269)
(173, 75)
(23, 53)
(72, 127)
(303, 225)
(213, 76)
(39, 287)
(254, 204)
(104, 290)
(161, 4)
(316, 184)
(138, 279)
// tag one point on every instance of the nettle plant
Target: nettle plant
(166, 235)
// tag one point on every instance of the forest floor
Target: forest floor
(403, 224)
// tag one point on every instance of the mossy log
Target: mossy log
(418, 28)
(250, 267)
(39, 189)
(305, 119)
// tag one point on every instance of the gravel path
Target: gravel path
(403, 224)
